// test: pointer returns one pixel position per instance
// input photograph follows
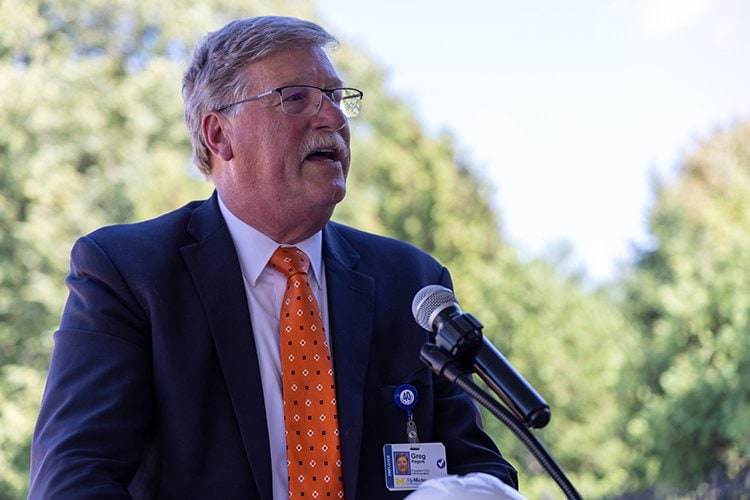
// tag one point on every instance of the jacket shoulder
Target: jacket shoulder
(161, 230)
(377, 254)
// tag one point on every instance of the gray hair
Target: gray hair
(215, 75)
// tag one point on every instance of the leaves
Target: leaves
(692, 298)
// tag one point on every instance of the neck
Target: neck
(289, 229)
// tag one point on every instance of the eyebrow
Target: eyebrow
(336, 83)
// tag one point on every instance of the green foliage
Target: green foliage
(688, 392)
(566, 343)
(409, 185)
(20, 393)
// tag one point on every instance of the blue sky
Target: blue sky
(567, 108)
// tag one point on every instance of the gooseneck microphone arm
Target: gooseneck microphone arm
(444, 365)
(459, 349)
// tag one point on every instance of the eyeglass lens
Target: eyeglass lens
(307, 100)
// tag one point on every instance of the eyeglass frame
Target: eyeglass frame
(323, 92)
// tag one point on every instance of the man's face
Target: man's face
(273, 170)
(402, 464)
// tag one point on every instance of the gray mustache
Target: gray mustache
(331, 141)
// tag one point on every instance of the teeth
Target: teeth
(323, 152)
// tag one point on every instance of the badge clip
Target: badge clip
(406, 397)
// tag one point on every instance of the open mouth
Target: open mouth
(322, 154)
(329, 148)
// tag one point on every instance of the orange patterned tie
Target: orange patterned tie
(310, 416)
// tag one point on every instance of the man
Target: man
(166, 379)
(402, 463)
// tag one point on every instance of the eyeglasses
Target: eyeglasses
(305, 100)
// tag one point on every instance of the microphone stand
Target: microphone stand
(445, 365)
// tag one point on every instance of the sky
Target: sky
(568, 109)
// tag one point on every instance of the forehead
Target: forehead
(309, 66)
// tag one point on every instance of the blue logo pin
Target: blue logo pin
(406, 397)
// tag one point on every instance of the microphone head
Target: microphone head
(428, 302)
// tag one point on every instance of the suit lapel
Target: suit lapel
(351, 307)
(216, 273)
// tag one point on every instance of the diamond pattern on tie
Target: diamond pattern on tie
(310, 414)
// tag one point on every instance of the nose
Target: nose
(329, 115)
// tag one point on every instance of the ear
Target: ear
(216, 134)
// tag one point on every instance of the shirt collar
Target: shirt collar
(254, 248)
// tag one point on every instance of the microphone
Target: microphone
(436, 309)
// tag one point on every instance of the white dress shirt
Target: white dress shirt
(265, 288)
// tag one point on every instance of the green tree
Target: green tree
(688, 393)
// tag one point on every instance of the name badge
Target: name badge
(407, 465)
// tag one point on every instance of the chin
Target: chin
(338, 196)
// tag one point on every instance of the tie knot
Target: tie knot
(289, 261)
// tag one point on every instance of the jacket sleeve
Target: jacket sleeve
(97, 405)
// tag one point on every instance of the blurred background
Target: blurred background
(583, 168)
(568, 109)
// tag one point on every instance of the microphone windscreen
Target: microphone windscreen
(428, 302)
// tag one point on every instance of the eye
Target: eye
(296, 100)
(295, 94)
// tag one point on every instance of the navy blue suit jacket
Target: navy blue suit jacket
(154, 387)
